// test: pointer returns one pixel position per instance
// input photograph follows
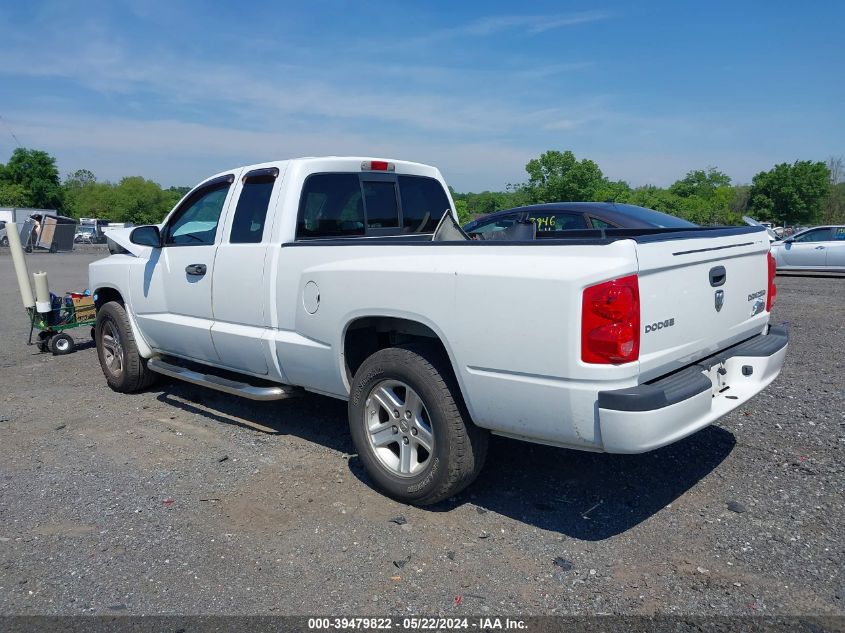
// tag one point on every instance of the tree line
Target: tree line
(31, 179)
(801, 193)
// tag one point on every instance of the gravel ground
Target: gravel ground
(180, 500)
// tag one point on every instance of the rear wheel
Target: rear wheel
(43, 342)
(411, 428)
(124, 368)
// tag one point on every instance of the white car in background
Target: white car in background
(821, 248)
(4, 238)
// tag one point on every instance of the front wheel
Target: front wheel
(61, 344)
(124, 368)
(411, 428)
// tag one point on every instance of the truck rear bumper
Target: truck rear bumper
(648, 416)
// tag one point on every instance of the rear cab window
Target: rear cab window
(331, 205)
(381, 205)
(369, 204)
(423, 203)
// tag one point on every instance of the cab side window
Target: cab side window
(195, 223)
(251, 212)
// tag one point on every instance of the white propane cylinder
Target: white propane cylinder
(19, 263)
(42, 293)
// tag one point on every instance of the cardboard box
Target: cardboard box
(85, 309)
(48, 232)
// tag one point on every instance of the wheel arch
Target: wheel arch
(364, 335)
(105, 293)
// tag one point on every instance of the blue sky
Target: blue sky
(175, 91)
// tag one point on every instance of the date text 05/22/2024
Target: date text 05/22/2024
(418, 623)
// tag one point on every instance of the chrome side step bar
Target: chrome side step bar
(219, 383)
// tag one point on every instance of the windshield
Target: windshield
(652, 217)
(86, 229)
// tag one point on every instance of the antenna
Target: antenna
(6, 125)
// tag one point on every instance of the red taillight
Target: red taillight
(377, 165)
(772, 292)
(610, 322)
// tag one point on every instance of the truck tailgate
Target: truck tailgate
(699, 295)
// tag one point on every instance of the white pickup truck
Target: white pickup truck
(342, 276)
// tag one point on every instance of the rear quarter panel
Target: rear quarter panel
(509, 317)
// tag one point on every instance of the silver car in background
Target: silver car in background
(821, 248)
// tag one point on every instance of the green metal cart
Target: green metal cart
(52, 326)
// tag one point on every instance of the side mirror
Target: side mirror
(146, 236)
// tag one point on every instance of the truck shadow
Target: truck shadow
(311, 417)
(588, 496)
(591, 496)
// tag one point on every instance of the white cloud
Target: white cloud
(179, 153)
(546, 71)
(529, 23)
(104, 66)
(562, 124)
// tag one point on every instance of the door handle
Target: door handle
(819, 248)
(195, 269)
(718, 275)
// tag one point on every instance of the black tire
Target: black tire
(460, 447)
(54, 248)
(43, 342)
(133, 374)
(61, 344)
(4, 241)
